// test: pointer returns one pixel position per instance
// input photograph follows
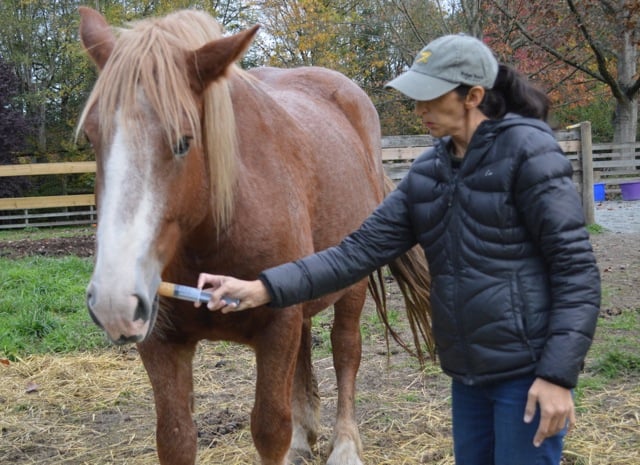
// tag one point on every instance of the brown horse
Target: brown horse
(204, 167)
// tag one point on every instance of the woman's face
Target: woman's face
(444, 116)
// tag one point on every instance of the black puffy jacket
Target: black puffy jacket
(515, 286)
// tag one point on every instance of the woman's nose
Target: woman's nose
(420, 108)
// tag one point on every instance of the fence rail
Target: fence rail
(614, 164)
(50, 210)
(609, 164)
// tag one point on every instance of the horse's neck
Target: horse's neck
(260, 119)
(206, 236)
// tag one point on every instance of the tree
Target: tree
(598, 39)
(408, 25)
(13, 129)
(40, 38)
(307, 32)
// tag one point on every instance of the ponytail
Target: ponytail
(513, 93)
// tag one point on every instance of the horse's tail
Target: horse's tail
(412, 276)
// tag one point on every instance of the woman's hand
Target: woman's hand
(249, 294)
(557, 410)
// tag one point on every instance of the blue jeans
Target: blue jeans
(488, 426)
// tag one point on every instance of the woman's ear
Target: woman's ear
(474, 97)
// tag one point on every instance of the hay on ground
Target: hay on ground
(97, 408)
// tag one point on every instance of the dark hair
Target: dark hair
(511, 93)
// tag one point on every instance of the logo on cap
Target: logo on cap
(423, 57)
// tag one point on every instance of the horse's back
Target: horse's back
(327, 104)
(335, 126)
(322, 85)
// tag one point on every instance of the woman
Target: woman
(515, 286)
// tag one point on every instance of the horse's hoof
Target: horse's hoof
(300, 457)
(344, 454)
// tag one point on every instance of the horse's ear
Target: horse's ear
(212, 60)
(96, 35)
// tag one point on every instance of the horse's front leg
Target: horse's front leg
(276, 350)
(346, 341)
(169, 367)
(305, 402)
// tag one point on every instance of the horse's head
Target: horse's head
(161, 124)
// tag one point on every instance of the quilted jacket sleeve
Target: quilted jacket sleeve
(385, 235)
(551, 208)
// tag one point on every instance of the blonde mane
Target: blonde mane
(151, 54)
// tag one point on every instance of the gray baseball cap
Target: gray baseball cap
(446, 63)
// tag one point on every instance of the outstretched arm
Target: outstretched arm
(385, 235)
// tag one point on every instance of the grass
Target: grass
(42, 307)
(614, 351)
(617, 338)
(370, 328)
(595, 229)
(613, 358)
(43, 233)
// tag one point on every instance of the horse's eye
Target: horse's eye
(182, 146)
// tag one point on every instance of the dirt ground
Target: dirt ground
(97, 408)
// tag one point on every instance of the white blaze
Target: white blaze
(129, 207)
(129, 213)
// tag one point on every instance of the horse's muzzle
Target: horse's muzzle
(126, 320)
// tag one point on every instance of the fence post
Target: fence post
(586, 162)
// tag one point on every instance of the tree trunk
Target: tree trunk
(473, 17)
(42, 128)
(625, 119)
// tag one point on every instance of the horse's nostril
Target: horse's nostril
(90, 297)
(91, 301)
(127, 339)
(143, 310)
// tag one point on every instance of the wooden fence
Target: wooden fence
(40, 211)
(610, 164)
